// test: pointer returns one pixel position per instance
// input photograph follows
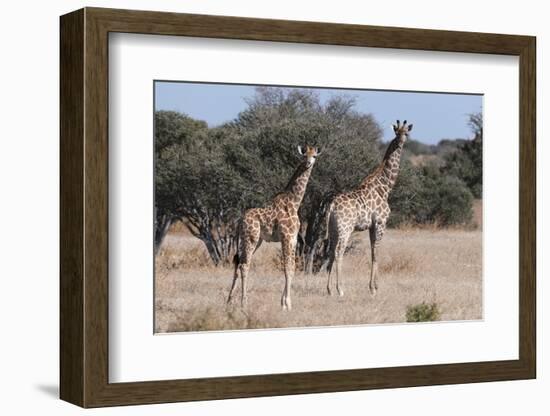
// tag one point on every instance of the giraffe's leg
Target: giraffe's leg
(375, 232)
(250, 244)
(336, 253)
(323, 256)
(244, 275)
(333, 237)
(329, 267)
(245, 266)
(289, 250)
(339, 254)
(236, 260)
(373, 270)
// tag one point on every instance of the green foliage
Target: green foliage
(414, 147)
(466, 163)
(441, 191)
(453, 202)
(192, 183)
(175, 128)
(261, 144)
(447, 146)
(425, 195)
(443, 200)
(423, 312)
(208, 176)
(406, 195)
(441, 149)
(171, 129)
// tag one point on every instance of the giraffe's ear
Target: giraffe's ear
(410, 127)
(395, 128)
(300, 150)
(318, 151)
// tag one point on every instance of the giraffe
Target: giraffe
(278, 221)
(365, 208)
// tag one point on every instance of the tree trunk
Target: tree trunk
(316, 234)
(209, 242)
(219, 238)
(162, 224)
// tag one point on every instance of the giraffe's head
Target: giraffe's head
(402, 130)
(309, 154)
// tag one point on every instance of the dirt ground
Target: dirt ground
(442, 266)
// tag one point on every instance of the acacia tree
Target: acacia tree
(193, 184)
(172, 130)
(203, 192)
(261, 146)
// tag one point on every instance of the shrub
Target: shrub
(427, 195)
(404, 199)
(466, 162)
(454, 202)
(415, 147)
(423, 312)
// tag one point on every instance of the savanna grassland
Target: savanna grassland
(207, 176)
(416, 265)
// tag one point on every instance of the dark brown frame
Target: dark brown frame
(84, 209)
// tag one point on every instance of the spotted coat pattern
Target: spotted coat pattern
(276, 222)
(364, 208)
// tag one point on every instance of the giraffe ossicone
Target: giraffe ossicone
(276, 222)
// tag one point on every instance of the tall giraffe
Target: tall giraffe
(277, 221)
(365, 208)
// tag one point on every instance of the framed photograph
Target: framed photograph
(255, 207)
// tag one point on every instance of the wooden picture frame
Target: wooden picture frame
(84, 207)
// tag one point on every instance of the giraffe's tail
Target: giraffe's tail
(236, 261)
(236, 257)
(326, 222)
(323, 250)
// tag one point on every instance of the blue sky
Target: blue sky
(435, 115)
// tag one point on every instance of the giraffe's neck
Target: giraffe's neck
(385, 175)
(297, 184)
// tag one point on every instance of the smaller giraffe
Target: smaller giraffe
(365, 208)
(275, 222)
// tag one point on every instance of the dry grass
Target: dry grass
(416, 265)
(478, 213)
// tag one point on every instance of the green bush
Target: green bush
(444, 200)
(427, 195)
(454, 202)
(405, 197)
(423, 312)
(466, 162)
